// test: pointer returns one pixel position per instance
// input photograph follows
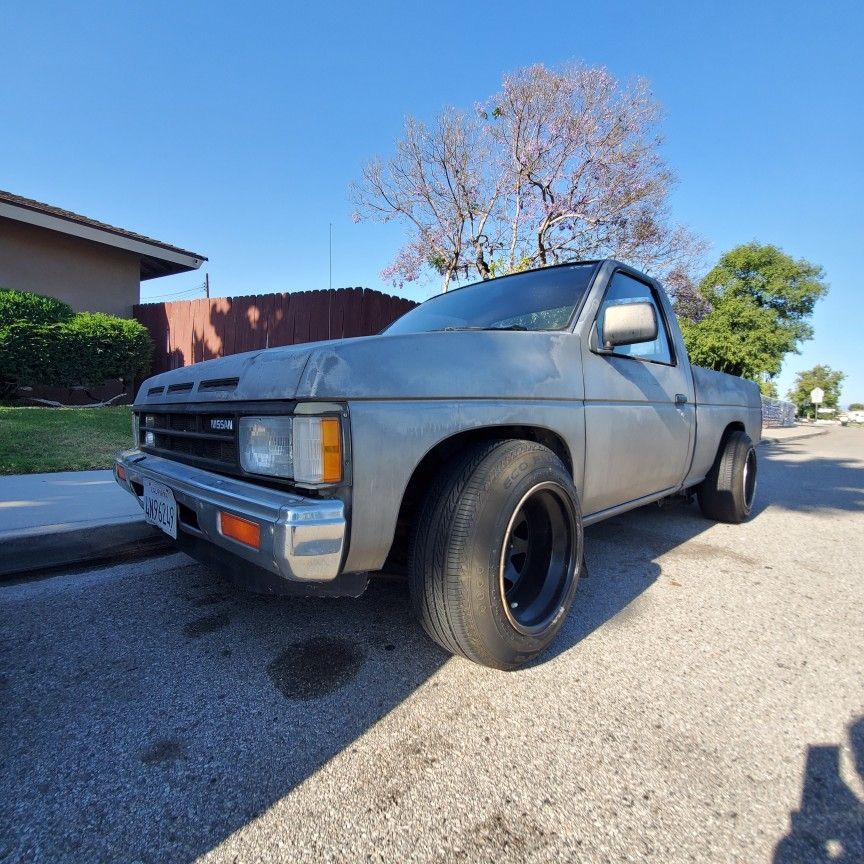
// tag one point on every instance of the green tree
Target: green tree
(768, 387)
(857, 406)
(761, 300)
(820, 376)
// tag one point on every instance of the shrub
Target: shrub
(18, 306)
(108, 347)
(87, 349)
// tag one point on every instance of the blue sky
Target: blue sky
(235, 130)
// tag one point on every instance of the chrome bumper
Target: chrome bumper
(302, 539)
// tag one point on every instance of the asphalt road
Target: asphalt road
(705, 702)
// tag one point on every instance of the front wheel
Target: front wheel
(727, 493)
(496, 553)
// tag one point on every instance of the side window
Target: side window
(626, 289)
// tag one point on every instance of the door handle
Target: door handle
(680, 399)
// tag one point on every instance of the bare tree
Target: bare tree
(556, 166)
(439, 184)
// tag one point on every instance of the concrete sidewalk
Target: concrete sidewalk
(69, 518)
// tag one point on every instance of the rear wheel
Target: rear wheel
(727, 493)
(496, 553)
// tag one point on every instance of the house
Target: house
(92, 266)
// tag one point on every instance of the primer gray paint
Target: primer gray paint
(635, 430)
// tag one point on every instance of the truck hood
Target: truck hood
(439, 365)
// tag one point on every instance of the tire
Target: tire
(727, 493)
(496, 553)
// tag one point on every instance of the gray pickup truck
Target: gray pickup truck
(465, 447)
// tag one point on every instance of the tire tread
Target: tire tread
(439, 542)
(721, 494)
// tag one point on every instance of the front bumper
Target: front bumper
(302, 539)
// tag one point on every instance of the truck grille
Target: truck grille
(191, 436)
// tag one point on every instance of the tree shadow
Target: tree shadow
(167, 354)
(828, 826)
(249, 323)
(791, 479)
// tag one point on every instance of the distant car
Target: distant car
(466, 446)
(855, 416)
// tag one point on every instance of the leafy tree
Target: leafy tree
(821, 376)
(767, 387)
(558, 165)
(760, 299)
(857, 406)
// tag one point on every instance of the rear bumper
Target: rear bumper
(302, 539)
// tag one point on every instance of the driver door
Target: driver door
(639, 410)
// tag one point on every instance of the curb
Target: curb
(766, 439)
(72, 545)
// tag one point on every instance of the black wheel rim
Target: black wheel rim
(749, 478)
(538, 558)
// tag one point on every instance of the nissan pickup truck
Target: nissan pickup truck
(465, 447)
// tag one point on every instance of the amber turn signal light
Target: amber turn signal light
(121, 473)
(331, 450)
(242, 530)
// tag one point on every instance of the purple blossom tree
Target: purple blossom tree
(558, 165)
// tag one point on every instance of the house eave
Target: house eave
(156, 260)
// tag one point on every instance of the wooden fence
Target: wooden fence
(188, 331)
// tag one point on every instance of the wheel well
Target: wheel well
(734, 426)
(438, 456)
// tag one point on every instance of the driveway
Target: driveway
(705, 702)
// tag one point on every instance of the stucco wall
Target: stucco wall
(88, 276)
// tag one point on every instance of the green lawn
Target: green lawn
(61, 439)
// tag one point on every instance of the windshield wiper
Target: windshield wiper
(460, 329)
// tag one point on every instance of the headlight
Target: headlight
(307, 449)
(265, 445)
(134, 429)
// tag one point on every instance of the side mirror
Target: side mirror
(628, 324)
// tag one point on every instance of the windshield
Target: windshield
(535, 300)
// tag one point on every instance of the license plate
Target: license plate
(160, 508)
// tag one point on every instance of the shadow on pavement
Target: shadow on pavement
(828, 827)
(809, 485)
(149, 716)
(622, 562)
(150, 711)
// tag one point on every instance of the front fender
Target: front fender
(390, 438)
